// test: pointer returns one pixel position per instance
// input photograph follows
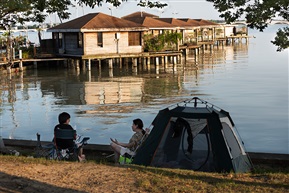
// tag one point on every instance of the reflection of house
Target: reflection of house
(95, 34)
(124, 90)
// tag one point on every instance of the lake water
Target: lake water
(249, 81)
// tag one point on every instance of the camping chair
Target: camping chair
(67, 153)
(47, 151)
(127, 158)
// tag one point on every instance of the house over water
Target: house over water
(97, 34)
(154, 25)
(194, 31)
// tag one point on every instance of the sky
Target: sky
(195, 9)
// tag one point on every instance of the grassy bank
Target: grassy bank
(24, 174)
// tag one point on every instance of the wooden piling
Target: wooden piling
(35, 64)
(89, 65)
(110, 64)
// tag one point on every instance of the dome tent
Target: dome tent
(194, 135)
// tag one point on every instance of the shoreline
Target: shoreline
(99, 151)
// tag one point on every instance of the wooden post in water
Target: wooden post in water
(35, 64)
(120, 63)
(134, 62)
(175, 60)
(83, 65)
(69, 63)
(196, 52)
(89, 76)
(77, 64)
(157, 65)
(134, 65)
(162, 60)
(110, 72)
(99, 67)
(139, 62)
(144, 63)
(157, 61)
(21, 62)
(65, 63)
(125, 63)
(149, 63)
(175, 63)
(180, 58)
(110, 63)
(166, 62)
(89, 65)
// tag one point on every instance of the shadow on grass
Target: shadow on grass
(211, 179)
(10, 183)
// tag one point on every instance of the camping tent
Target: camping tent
(197, 136)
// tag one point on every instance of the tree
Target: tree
(165, 41)
(258, 14)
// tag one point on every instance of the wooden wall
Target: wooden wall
(109, 44)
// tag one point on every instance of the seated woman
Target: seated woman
(130, 147)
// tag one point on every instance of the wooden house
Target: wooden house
(180, 25)
(154, 25)
(97, 34)
(193, 30)
(191, 35)
(159, 25)
(206, 31)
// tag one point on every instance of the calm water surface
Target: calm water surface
(250, 81)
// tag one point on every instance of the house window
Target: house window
(134, 38)
(99, 39)
(60, 39)
(79, 40)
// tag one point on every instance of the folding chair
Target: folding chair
(127, 158)
(66, 149)
(47, 151)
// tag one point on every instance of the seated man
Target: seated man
(64, 120)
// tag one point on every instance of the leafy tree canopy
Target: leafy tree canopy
(19, 11)
(258, 14)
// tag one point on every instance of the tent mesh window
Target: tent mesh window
(185, 144)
